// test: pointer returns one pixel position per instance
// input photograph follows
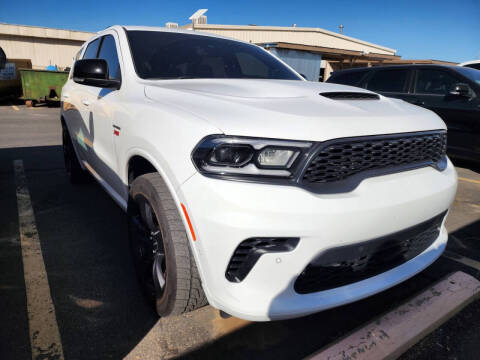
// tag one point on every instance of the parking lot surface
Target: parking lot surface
(98, 308)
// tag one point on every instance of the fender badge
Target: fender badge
(116, 130)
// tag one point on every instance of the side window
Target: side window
(92, 49)
(348, 78)
(394, 80)
(78, 54)
(108, 52)
(431, 81)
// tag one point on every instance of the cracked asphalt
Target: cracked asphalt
(99, 309)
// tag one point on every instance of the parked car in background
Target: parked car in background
(453, 92)
(474, 64)
(271, 196)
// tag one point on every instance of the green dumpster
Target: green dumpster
(42, 85)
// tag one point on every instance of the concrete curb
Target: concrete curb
(393, 333)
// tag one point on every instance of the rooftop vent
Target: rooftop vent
(348, 95)
(199, 17)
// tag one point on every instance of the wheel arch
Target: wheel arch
(139, 156)
(137, 166)
(141, 162)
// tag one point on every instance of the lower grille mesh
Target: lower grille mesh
(249, 251)
(352, 263)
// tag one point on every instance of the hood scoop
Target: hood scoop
(349, 95)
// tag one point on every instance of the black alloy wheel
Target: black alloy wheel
(161, 253)
(147, 248)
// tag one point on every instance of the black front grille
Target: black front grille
(348, 264)
(343, 158)
(348, 95)
(249, 251)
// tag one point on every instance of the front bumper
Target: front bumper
(224, 213)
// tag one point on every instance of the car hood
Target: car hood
(289, 109)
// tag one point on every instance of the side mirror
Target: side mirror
(93, 72)
(303, 75)
(460, 89)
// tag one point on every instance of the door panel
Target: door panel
(104, 104)
(87, 97)
(82, 97)
(105, 162)
(72, 113)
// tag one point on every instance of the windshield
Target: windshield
(171, 55)
(470, 73)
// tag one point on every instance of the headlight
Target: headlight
(245, 157)
(276, 157)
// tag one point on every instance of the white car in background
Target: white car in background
(267, 195)
(474, 64)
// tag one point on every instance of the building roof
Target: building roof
(309, 36)
(301, 35)
(419, 62)
(333, 53)
(43, 32)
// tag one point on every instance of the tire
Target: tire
(162, 257)
(75, 173)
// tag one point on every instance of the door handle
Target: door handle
(85, 102)
(66, 96)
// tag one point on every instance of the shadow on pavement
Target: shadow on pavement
(466, 241)
(10, 100)
(100, 311)
(475, 167)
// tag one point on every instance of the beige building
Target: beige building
(332, 50)
(47, 46)
(43, 46)
(294, 35)
(319, 49)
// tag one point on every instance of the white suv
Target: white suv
(247, 186)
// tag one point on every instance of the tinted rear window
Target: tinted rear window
(347, 78)
(170, 55)
(394, 80)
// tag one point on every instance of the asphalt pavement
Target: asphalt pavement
(99, 309)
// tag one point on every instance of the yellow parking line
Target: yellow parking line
(14, 107)
(45, 339)
(469, 180)
(390, 335)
